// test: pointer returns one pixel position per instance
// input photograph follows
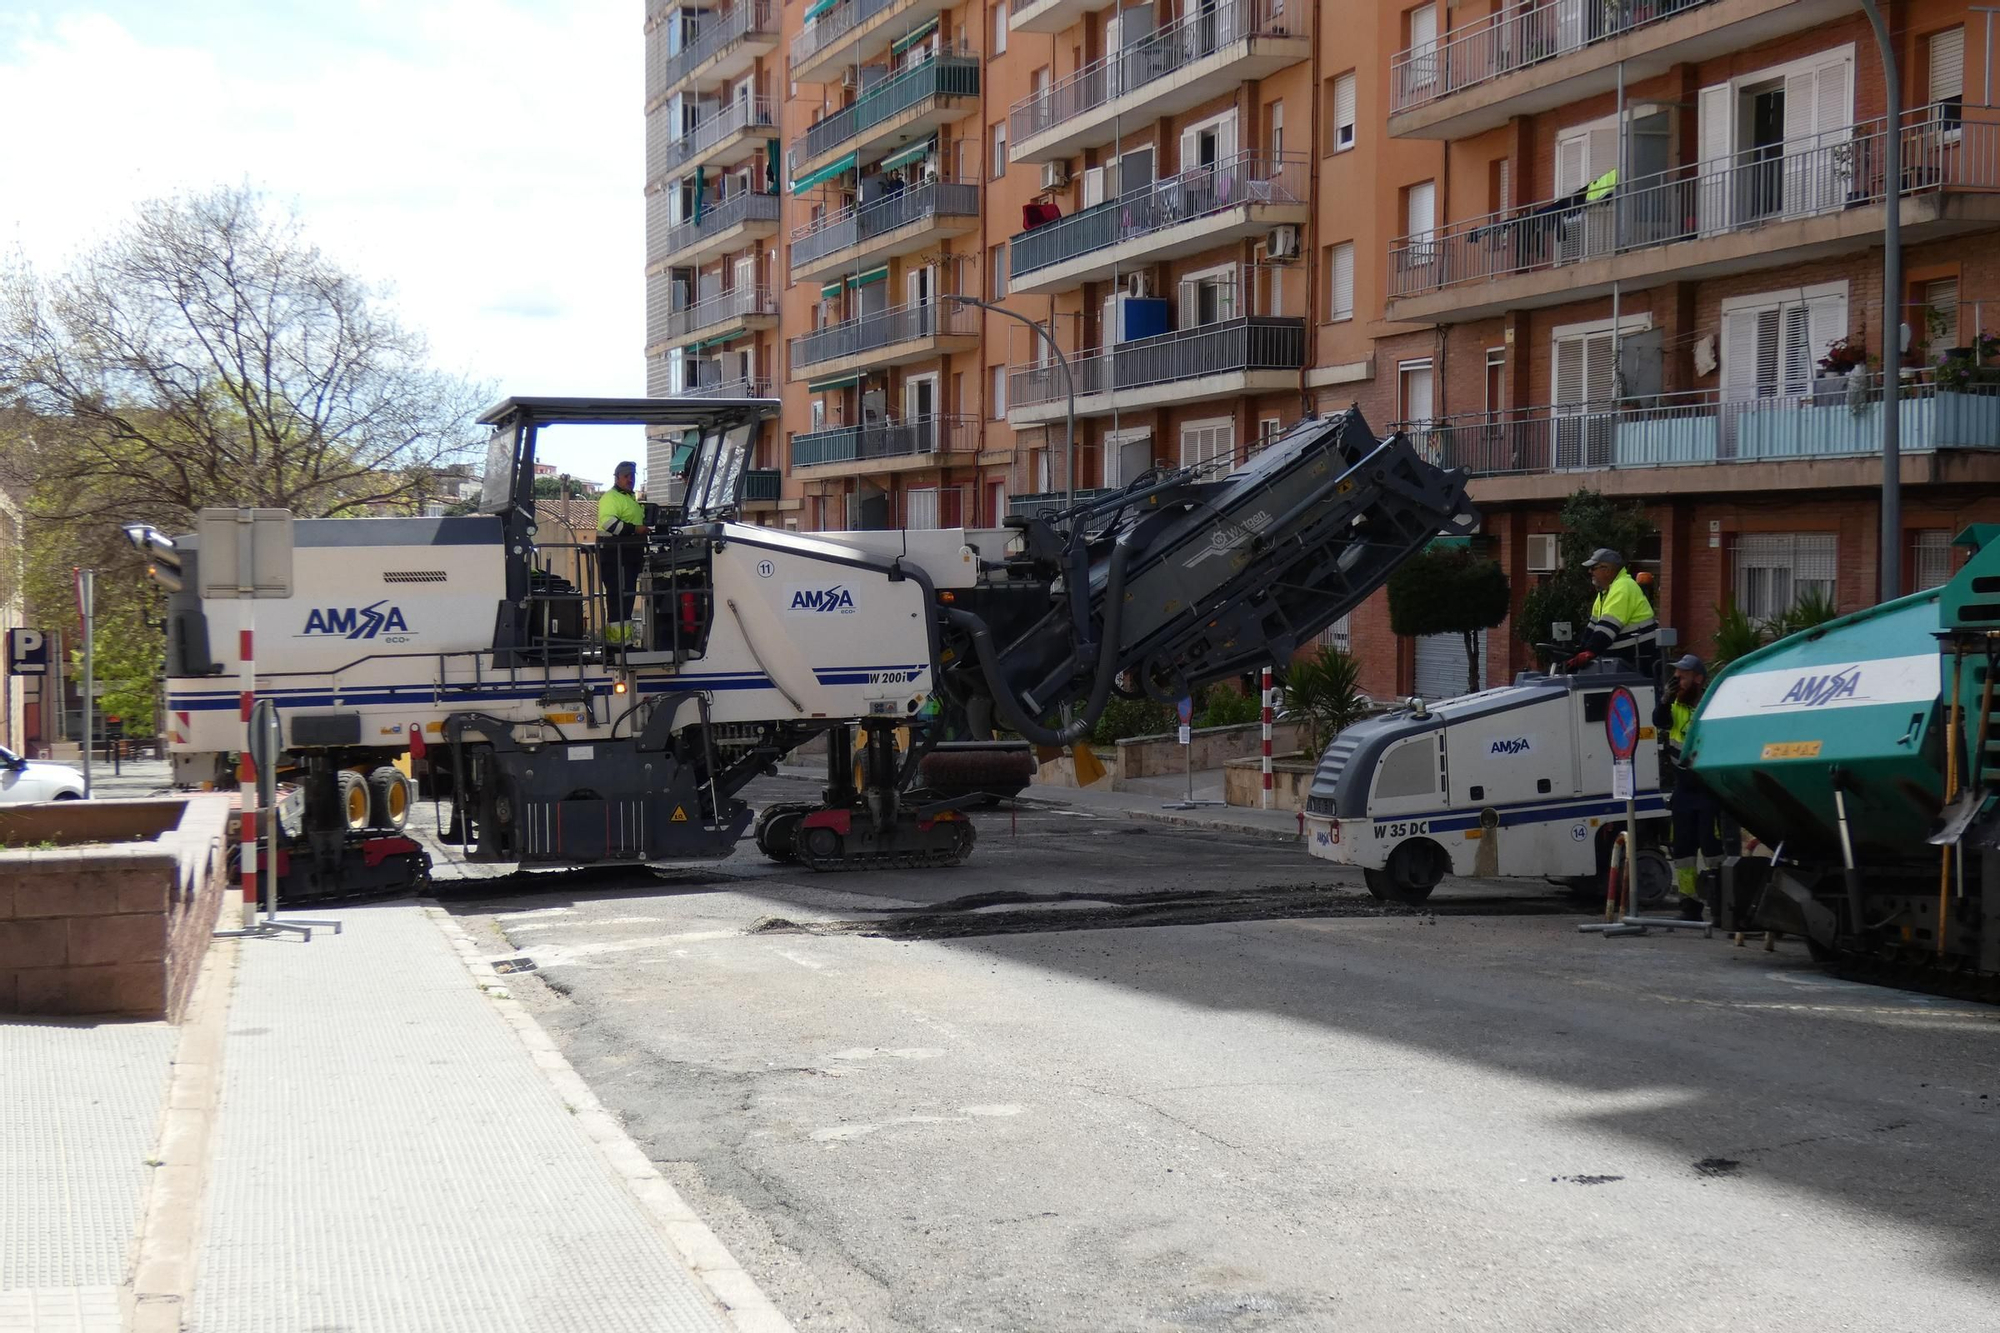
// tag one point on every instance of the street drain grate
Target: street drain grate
(509, 966)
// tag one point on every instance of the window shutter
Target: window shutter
(1190, 151)
(1834, 98)
(1572, 164)
(1739, 354)
(1948, 65)
(1343, 280)
(1801, 108)
(1093, 186)
(1713, 113)
(1343, 111)
(1826, 323)
(1423, 214)
(1569, 371)
(1603, 151)
(1507, 184)
(1190, 305)
(1423, 28)
(1798, 354)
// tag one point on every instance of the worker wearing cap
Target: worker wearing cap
(1696, 831)
(1621, 619)
(621, 545)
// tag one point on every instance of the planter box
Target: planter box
(115, 916)
(1158, 756)
(1291, 780)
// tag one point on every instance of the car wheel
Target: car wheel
(68, 796)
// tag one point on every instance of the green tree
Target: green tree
(1587, 521)
(1323, 690)
(559, 488)
(1449, 590)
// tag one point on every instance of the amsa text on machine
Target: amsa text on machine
(812, 600)
(357, 622)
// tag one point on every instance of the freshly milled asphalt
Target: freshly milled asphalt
(1477, 1119)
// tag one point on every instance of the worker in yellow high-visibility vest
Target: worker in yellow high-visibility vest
(1621, 619)
(1697, 832)
(621, 547)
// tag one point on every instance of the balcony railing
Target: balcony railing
(1827, 419)
(717, 217)
(1515, 37)
(884, 328)
(1943, 149)
(1245, 178)
(763, 484)
(854, 226)
(1051, 503)
(820, 33)
(737, 303)
(736, 388)
(940, 76)
(1200, 33)
(1230, 347)
(755, 113)
(920, 437)
(732, 25)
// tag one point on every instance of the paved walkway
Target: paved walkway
(79, 1111)
(390, 1158)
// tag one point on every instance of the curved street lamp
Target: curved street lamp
(1069, 384)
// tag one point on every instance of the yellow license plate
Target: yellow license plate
(1792, 750)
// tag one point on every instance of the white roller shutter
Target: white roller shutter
(1343, 280)
(1441, 664)
(1947, 58)
(1717, 123)
(1343, 112)
(1422, 218)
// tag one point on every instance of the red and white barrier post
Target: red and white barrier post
(1266, 682)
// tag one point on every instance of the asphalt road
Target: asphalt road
(1117, 1076)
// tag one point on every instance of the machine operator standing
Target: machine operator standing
(1696, 813)
(621, 544)
(1622, 623)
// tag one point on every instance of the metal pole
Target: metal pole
(1265, 681)
(1069, 384)
(1986, 94)
(1891, 578)
(87, 596)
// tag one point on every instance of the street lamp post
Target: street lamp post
(1069, 384)
(1892, 311)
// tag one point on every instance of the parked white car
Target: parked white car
(24, 780)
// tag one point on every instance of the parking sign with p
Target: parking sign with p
(27, 652)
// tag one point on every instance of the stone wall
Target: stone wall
(1155, 756)
(116, 916)
(1291, 783)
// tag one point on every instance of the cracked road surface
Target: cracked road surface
(1114, 1076)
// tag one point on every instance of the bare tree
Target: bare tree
(210, 354)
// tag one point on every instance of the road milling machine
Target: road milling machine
(1863, 756)
(479, 646)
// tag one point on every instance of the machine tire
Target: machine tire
(822, 842)
(354, 803)
(389, 798)
(1414, 869)
(776, 830)
(1657, 887)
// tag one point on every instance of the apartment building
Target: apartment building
(1191, 222)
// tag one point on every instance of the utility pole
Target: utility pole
(1891, 578)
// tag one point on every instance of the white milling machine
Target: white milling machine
(478, 647)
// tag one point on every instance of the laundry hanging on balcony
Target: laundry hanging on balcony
(800, 184)
(915, 152)
(709, 344)
(700, 182)
(771, 165)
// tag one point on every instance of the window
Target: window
(1268, 429)
(998, 46)
(1340, 262)
(996, 264)
(1420, 211)
(1209, 442)
(1931, 559)
(1939, 330)
(1340, 113)
(1340, 635)
(1039, 81)
(1419, 73)
(1946, 52)
(1771, 342)
(1417, 399)
(1274, 116)
(998, 394)
(998, 166)
(1500, 185)
(1775, 570)
(1208, 297)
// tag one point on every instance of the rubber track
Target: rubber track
(889, 860)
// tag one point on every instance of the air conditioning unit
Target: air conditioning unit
(1139, 286)
(1282, 244)
(1055, 175)
(1542, 556)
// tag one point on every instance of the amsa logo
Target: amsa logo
(1509, 746)
(813, 600)
(376, 620)
(1817, 691)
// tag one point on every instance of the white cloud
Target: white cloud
(482, 157)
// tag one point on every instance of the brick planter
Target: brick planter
(115, 918)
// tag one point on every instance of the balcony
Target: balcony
(889, 446)
(763, 486)
(1052, 15)
(846, 34)
(724, 315)
(1825, 435)
(736, 388)
(1048, 504)
(1190, 61)
(721, 226)
(899, 109)
(726, 47)
(916, 219)
(1222, 360)
(1240, 196)
(1534, 57)
(1762, 208)
(724, 139)
(886, 338)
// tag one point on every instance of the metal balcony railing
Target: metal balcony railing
(1245, 178)
(828, 28)
(1822, 418)
(734, 388)
(734, 24)
(854, 226)
(718, 216)
(737, 303)
(754, 113)
(940, 76)
(886, 439)
(1050, 503)
(1943, 149)
(1255, 342)
(884, 328)
(1181, 43)
(765, 484)
(1515, 37)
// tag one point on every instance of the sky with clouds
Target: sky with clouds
(481, 157)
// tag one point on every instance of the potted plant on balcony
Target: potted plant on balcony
(1837, 369)
(1967, 409)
